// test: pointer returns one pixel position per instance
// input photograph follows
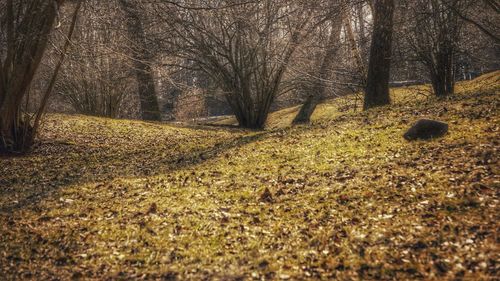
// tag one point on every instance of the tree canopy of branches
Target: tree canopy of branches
(245, 48)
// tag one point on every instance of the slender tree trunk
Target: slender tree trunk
(318, 92)
(50, 87)
(377, 86)
(307, 109)
(142, 62)
(362, 33)
(245, 110)
(250, 105)
(149, 102)
(355, 50)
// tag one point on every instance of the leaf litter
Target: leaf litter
(343, 198)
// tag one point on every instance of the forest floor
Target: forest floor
(345, 197)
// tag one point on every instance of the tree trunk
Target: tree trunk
(355, 50)
(377, 86)
(142, 62)
(318, 92)
(442, 74)
(26, 44)
(246, 112)
(307, 109)
(147, 93)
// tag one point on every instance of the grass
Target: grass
(345, 197)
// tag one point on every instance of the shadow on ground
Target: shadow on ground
(55, 164)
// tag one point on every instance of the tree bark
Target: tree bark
(142, 62)
(377, 86)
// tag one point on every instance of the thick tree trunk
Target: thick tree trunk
(377, 86)
(142, 62)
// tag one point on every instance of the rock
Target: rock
(426, 129)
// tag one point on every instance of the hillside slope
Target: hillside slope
(408, 96)
(345, 197)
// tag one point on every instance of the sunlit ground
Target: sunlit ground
(346, 197)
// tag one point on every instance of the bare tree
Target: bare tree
(97, 78)
(433, 34)
(245, 48)
(25, 29)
